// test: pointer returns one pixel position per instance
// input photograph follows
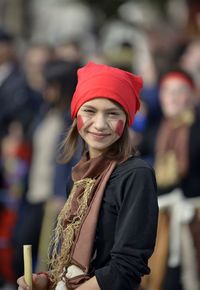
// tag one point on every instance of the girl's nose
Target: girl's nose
(100, 122)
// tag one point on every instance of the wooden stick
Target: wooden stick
(27, 250)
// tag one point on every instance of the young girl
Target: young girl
(106, 231)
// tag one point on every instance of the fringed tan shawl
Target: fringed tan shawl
(74, 234)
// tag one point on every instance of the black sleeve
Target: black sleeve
(135, 233)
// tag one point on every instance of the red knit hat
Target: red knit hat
(99, 80)
(178, 75)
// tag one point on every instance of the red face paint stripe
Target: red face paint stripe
(80, 122)
(119, 128)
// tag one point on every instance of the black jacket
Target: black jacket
(126, 230)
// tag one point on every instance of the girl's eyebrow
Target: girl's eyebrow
(107, 109)
(88, 107)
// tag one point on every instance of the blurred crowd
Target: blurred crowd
(37, 82)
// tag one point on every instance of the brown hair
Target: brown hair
(122, 149)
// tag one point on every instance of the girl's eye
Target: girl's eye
(113, 114)
(88, 111)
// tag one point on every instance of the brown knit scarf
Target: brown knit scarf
(74, 234)
(171, 162)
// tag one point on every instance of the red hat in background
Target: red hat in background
(99, 80)
(178, 75)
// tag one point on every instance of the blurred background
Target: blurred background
(42, 44)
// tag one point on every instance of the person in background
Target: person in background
(47, 179)
(18, 107)
(69, 50)
(17, 101)
(175, 146)
(189, 60)
(35, 56)
(106, 231)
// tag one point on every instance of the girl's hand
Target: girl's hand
(40, 282)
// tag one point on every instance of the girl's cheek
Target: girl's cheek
(119, 127)
(80, 122)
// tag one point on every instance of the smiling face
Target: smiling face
(100, 123)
